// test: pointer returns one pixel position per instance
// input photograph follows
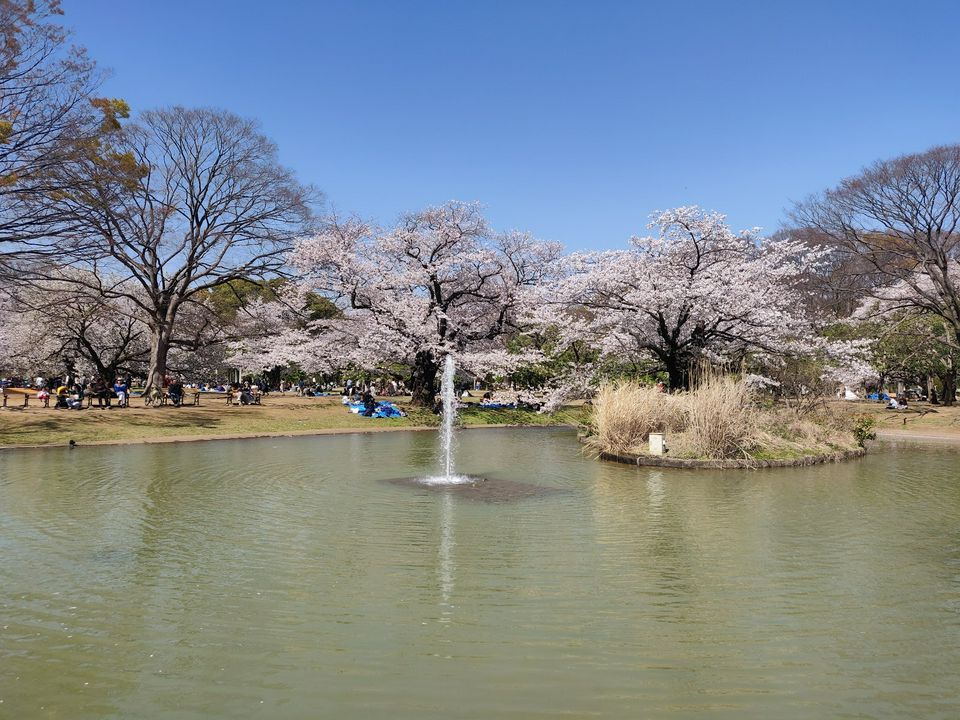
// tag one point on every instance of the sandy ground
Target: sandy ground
(921, 421)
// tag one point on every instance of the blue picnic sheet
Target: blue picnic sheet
(382, 410)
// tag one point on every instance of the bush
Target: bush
(863, 427)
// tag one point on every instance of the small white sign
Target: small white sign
(658, 443)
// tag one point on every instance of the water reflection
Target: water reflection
(446, 566)
(283, 576)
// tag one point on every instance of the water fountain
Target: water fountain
(485, 488)
(448, 394)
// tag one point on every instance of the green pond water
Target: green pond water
(298, 578)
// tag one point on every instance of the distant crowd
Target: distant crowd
(77, 392)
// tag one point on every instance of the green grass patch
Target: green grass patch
(213, 419)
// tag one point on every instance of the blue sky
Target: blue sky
(573, 120)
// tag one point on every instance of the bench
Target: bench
(233, 398)
(10, 392)
(108, 398)
(191, 397)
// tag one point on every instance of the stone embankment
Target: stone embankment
(744, 464)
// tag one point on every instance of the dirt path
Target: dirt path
(933, 434)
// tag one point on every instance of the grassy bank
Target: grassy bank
(295, 415)
(214, 419)
(921, 419)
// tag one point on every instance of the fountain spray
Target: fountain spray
(449, 394)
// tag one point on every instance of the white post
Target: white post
(658, 444)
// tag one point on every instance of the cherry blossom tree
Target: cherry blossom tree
(276, 332)
(440, 282)
(692, 290)
(908, 340)
(58, 326)
(25, 345)
(61, 321)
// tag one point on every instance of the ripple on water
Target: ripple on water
(481, 489)
(288, 571)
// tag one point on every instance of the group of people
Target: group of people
(312, 387)
(388, 388)
(69, 393)
(77, 392)
(366, 405)
(897, 402)
(175, 392)
(246, 393)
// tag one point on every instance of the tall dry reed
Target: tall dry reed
(720, 417)
(715, 420)
(625, 414)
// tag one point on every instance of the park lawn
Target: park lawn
(291, 415)
(278, 415)
(920, 419)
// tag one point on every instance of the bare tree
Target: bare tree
(174, 205)
(46, 114)
(894, 229)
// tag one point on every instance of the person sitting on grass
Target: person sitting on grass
(369, 405)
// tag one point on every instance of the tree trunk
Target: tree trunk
(108, 373)
(949, 380)
(679, 378)
(159, 347)
(423, 381)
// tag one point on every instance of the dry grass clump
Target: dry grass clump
(719, 419)
(782, 433)
(625, 414)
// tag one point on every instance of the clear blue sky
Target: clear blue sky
(573, 120)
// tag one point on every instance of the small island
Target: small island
(722, 422)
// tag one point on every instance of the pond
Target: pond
(301, 577)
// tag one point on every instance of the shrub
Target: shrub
(863, 427)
